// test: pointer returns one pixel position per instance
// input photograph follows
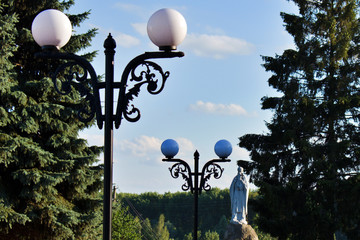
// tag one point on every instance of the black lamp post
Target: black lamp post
(52, 29)
(170, 148)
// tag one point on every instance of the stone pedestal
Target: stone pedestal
(240, 232)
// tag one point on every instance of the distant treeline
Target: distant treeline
(178, 209)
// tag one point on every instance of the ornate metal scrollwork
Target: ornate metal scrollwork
(79, 74)
(75, 75)
(154, 86)
(182, 169)
(210, 169)
(72, 78)
(152, 75)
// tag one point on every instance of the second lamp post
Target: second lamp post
(170, 148)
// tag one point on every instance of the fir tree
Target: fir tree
(147, 231)
(307, 166)
(124, 225)
(161, 230)
(209, 235)
(49, 180)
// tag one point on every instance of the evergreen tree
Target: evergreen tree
(7, 48)
(147, 231)
(49, 183)
(124, 225)
(161, 230)
(209, 235)
(307, 166)
(188, 236)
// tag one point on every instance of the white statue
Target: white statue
(239, 192)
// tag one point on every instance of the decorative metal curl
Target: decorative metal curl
(76, 80)
(72, 78)
(182, 169)
(154, 86)
(82, 82)
(211, 168)
(148, 76)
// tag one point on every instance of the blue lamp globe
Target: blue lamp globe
(169, 148)
(223, 148)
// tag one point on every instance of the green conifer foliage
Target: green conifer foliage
(124, 225)
(161, 230)
(307, 166)
(49, 179)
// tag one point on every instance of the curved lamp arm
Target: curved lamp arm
(73, 78)
(181, 168)
(211, 168)
(146, 76)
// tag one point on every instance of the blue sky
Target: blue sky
(212, 93)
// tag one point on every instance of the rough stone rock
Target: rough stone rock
(240, 232)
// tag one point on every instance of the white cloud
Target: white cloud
(186, 147)
(140, 146)
(217, 46)
(93, 138)
(125, 40)
(240, 153)
(219, 109)
(122, 39)
(140, 28)
(148, 148)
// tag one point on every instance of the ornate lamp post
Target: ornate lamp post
(51, 29)
(170, 148)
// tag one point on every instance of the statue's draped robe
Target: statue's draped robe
(239, 192)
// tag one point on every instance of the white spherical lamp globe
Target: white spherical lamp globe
(167, 28)
(51, 28)
(223, 148)
(169, 148)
